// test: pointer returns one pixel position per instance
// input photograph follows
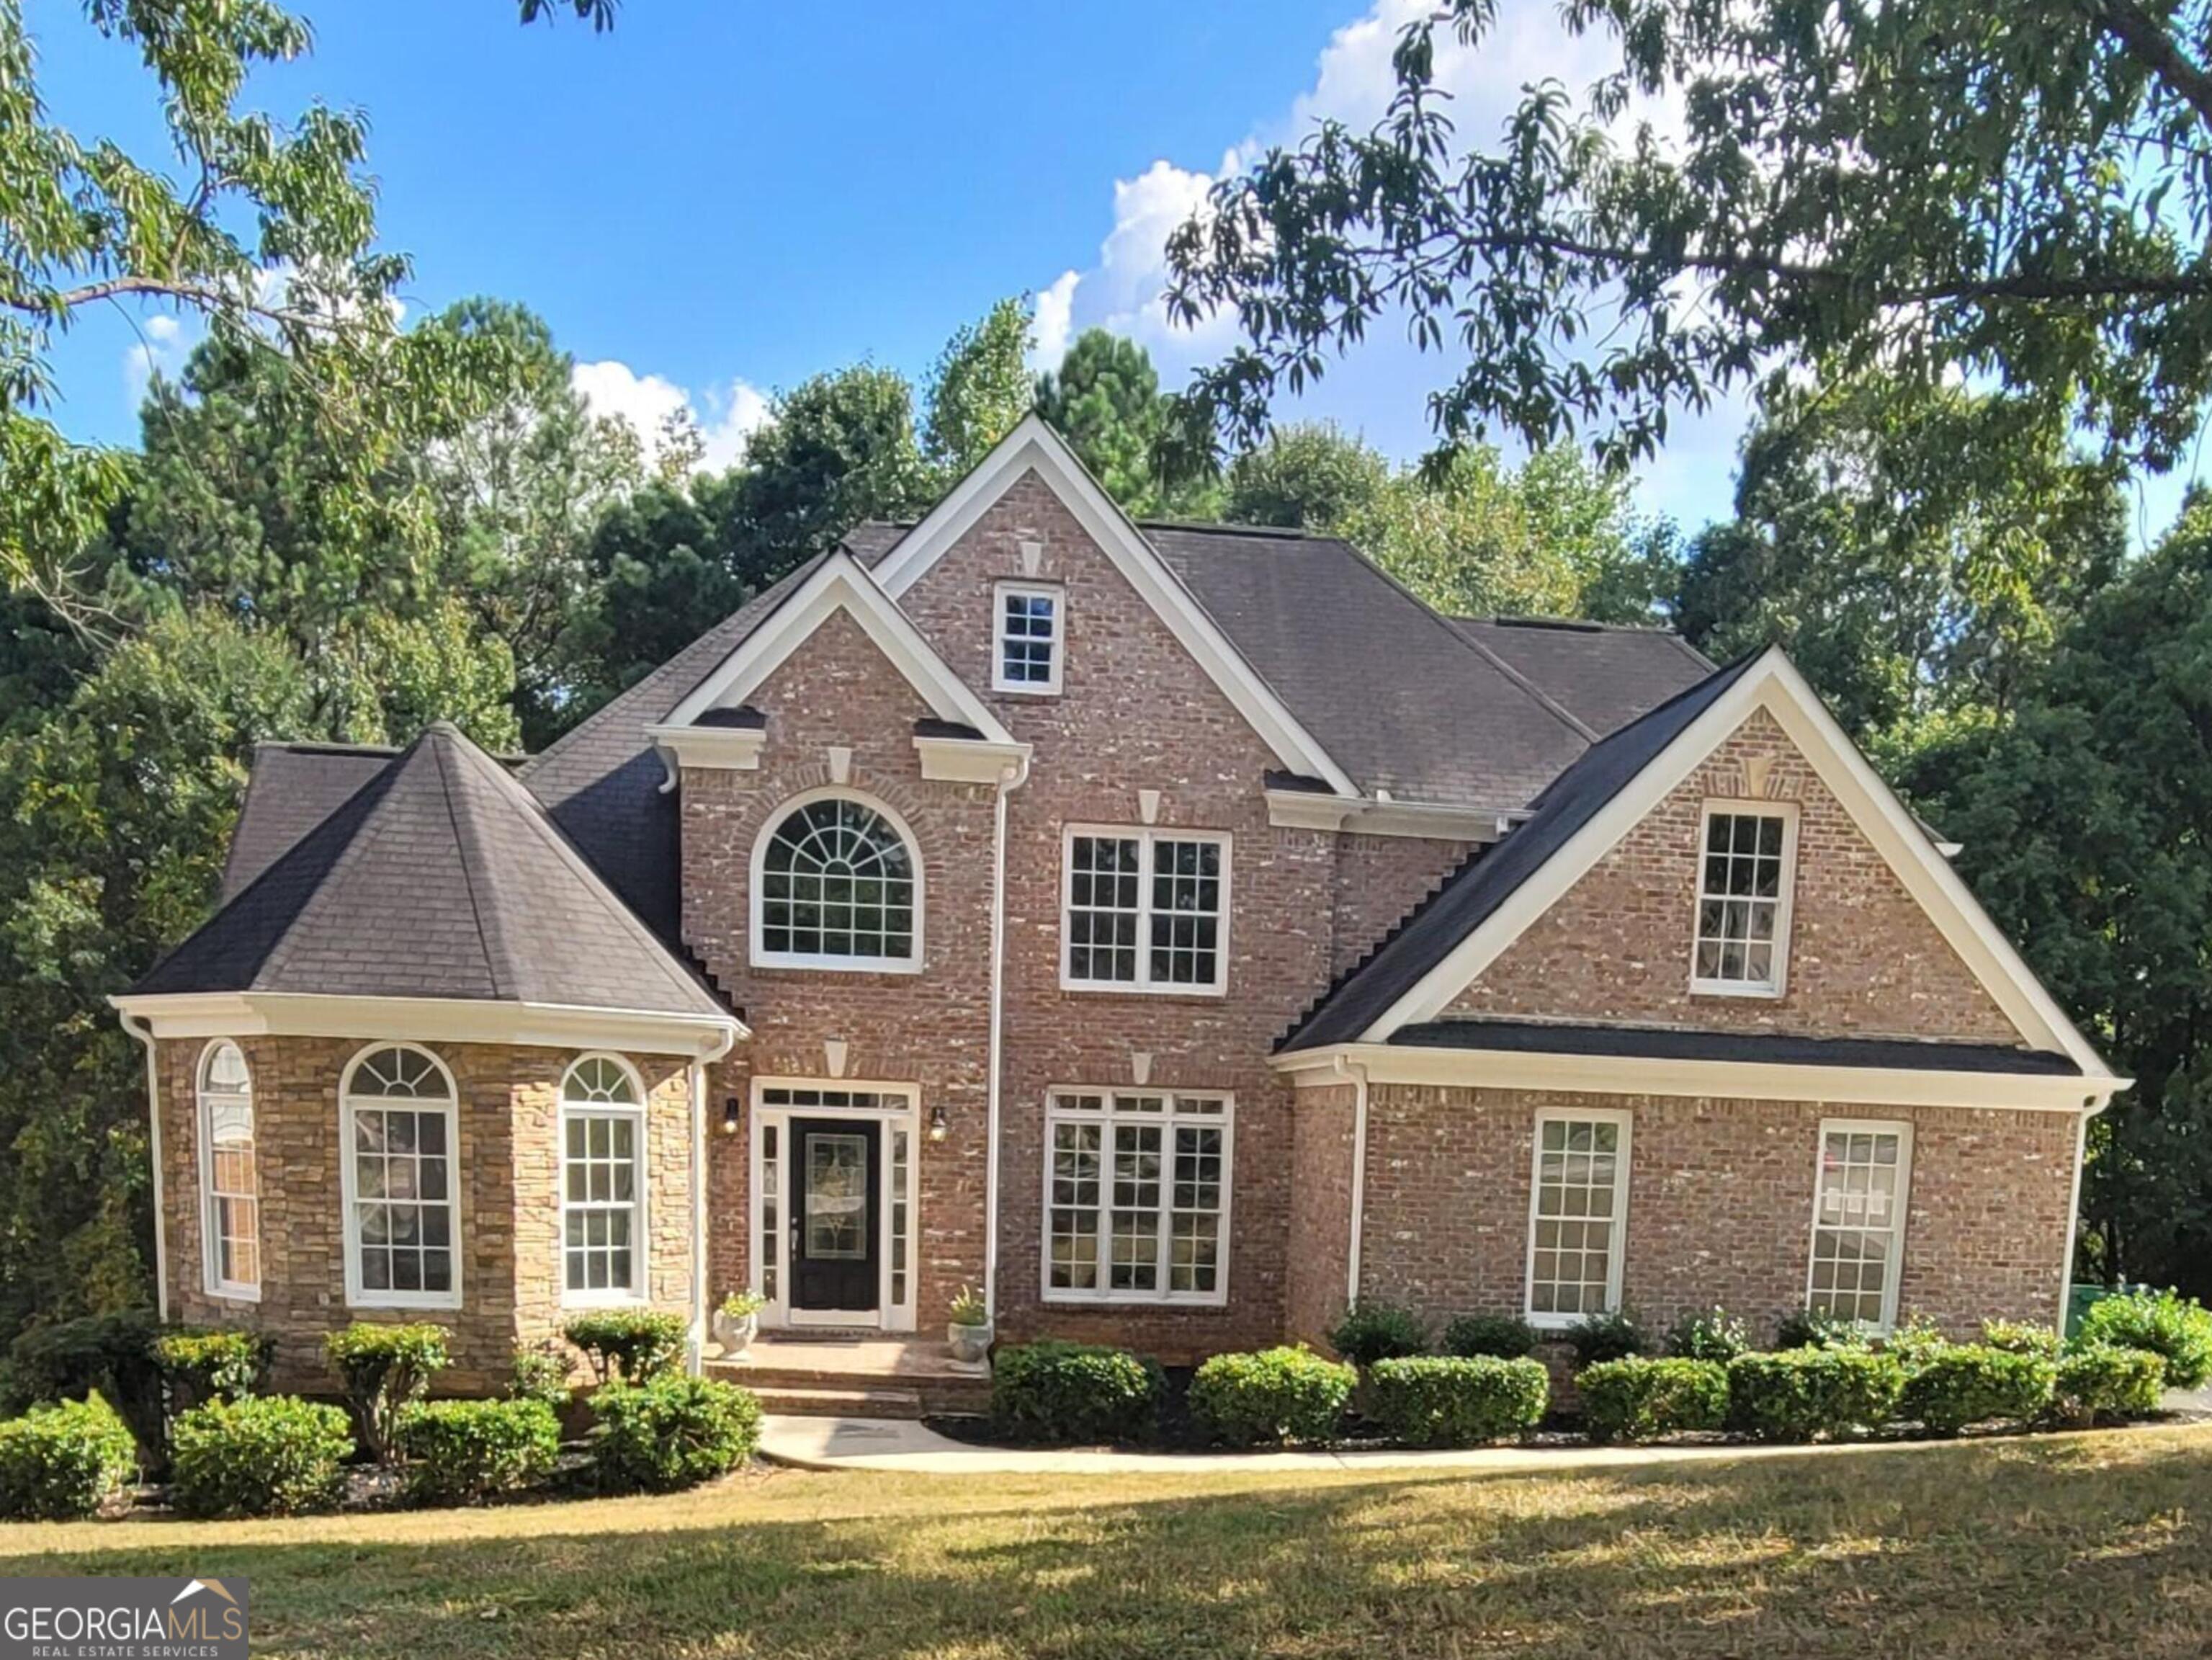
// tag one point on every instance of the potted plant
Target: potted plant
(968, 1329)
(737, 1320)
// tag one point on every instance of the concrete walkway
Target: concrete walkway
(890, 1443)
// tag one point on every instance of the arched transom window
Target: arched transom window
(603, 1241)
(839, 887)
(403, 1201)
(230, 1183)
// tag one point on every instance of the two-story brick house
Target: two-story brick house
(1174, 932)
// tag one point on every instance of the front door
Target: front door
(835, 1249)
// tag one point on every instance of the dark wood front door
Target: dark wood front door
(836, 1247)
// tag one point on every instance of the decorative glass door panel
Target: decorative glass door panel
(836, 1249)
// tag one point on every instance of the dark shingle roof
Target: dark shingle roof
(1772, 1049)
(439, 877)
(293, 788)
(1488, 880)
(1607, 675)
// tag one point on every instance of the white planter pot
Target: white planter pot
(735, 1332)
(969, 1342)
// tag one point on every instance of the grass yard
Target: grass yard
(2081, 1547)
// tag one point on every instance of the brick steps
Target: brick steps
(810, 1400)
(876, 1378)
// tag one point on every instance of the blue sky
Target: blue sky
(716, 200)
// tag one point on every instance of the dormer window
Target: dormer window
(1745, 872)
(1029, 638)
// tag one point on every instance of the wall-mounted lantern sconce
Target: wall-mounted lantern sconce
(937, 1126)
(730, 1116)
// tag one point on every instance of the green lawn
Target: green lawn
(2087, 1546)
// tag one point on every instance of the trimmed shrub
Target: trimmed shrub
(1276, 1395)
(1379, 1331)
(461, 1452)
(672, 1432)
(1716, 1335)
(1810, 1328)
(540, 1372)
(1642, 1400)
(1442, 1401)
(1597, 1338)
(1059, 1391)
(266, 1455)
(2168, 1324)
(1801, 1394)
(1964, 1383)
(1916, 1343)
(58, 1464)
(1501, 1337)
(212, 1363)
(2101, 1384)
(629, 1346)
(384, 1370)
(2022, 1337)
(110, 1353)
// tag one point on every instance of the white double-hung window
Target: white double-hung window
(1145, 910)
(1577, 1214)
(1137, 1196)
(602, 1239)
(1746, 868)
(1030, 638)
(1858, 1221)
(402, 1195)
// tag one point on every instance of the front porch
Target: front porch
(854, 1375)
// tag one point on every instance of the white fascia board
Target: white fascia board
(434, 1020)
(969, 760)
(840, 585)
(1773, 683)
(1422, 820)
(1733, 1080)
(1034, 445)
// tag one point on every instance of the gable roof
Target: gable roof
(1413, 976)
(1033, 447)
(1607, 676)
(440, 877)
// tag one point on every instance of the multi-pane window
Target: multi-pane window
(1743, 901)
(1576, 1215)
(602, 1182)
(1029, 639)
(838, 888)
(1858, 1221)
(401, 1199)
(232, 1209)
(1146, 909)
(1137, 1196)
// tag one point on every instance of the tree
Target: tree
(2081, 815)
(1104, 400)
(2017, 194)
(89, 225)
(837, 449)
(1310, 476)
(978, 390)
(1914, 554)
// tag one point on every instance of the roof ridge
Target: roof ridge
(494, 955)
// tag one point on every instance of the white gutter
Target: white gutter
(1359, 1074)
(2073, 1211)
(142, 1028)
(1011, 778)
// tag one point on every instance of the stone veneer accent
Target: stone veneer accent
(1864, 958)
(1720, 1204)
(508, 1162)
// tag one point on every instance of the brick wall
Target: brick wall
(1380, 878)
(508, 1163)
(1719, 1204)
(1322, 1122)
(1865, 959)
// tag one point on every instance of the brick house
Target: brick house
(1176, 932)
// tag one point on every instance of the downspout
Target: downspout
(1358, 1072)
(142, 1028)
(1009, 779)
(699, 1285)
(2090, 1108)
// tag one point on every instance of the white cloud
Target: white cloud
(1051, 322)
(611, 387)
(160, 347)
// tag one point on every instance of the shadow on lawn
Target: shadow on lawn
(1963, 1550)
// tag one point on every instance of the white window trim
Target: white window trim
(906, 1115)
(356, 1297)
(1219, 1296)
(229, 1290)
(762, 958)
(1000, 594)
(1785, 906)
(1901, 1128)
(1617, 1259)
(1144, 985)
(640, 1290)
